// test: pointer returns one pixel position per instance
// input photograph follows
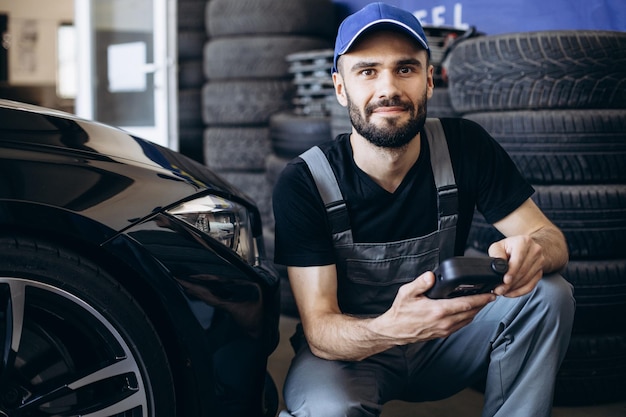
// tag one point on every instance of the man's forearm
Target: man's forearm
(554, 248)
(338, 336)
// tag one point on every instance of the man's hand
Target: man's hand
(526, 261)
(533, 246)
(413, 317)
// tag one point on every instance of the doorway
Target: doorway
(127, 66)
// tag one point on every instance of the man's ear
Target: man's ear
(430, 81)
(340, 89)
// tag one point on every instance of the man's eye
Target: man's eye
(367, 72)
(405, 70)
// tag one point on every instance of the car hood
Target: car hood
(154, 176)
(56, 129)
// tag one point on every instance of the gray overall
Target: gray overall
(518, 355)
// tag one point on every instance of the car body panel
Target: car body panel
(102, 192)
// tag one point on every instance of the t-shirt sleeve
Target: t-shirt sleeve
(302, 232)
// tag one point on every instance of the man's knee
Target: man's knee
(556, 298)
(320, 388)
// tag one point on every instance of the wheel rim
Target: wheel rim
(62, 357)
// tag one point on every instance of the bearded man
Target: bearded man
(363, 220)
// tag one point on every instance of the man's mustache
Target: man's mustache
(369, 109)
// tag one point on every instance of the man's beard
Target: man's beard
(392, 134)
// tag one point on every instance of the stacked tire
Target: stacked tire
(307, 122)
(556, 101)
(191, 39)
(247, 81)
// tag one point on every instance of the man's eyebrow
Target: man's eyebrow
(364, 64)
(409, 61)
(370, 64)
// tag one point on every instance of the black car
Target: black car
(132, 279)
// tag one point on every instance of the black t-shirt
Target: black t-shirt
(485, 175)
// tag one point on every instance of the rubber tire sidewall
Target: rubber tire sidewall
(49, 263)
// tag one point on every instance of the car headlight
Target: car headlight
(225, 221)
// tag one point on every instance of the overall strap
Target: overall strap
(447, 191)
(328, 188)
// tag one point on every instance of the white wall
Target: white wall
(33, 34)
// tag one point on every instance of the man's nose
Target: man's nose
(387, 85)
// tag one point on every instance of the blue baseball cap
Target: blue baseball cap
(376, 14)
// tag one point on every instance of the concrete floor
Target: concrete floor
(467, 403)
